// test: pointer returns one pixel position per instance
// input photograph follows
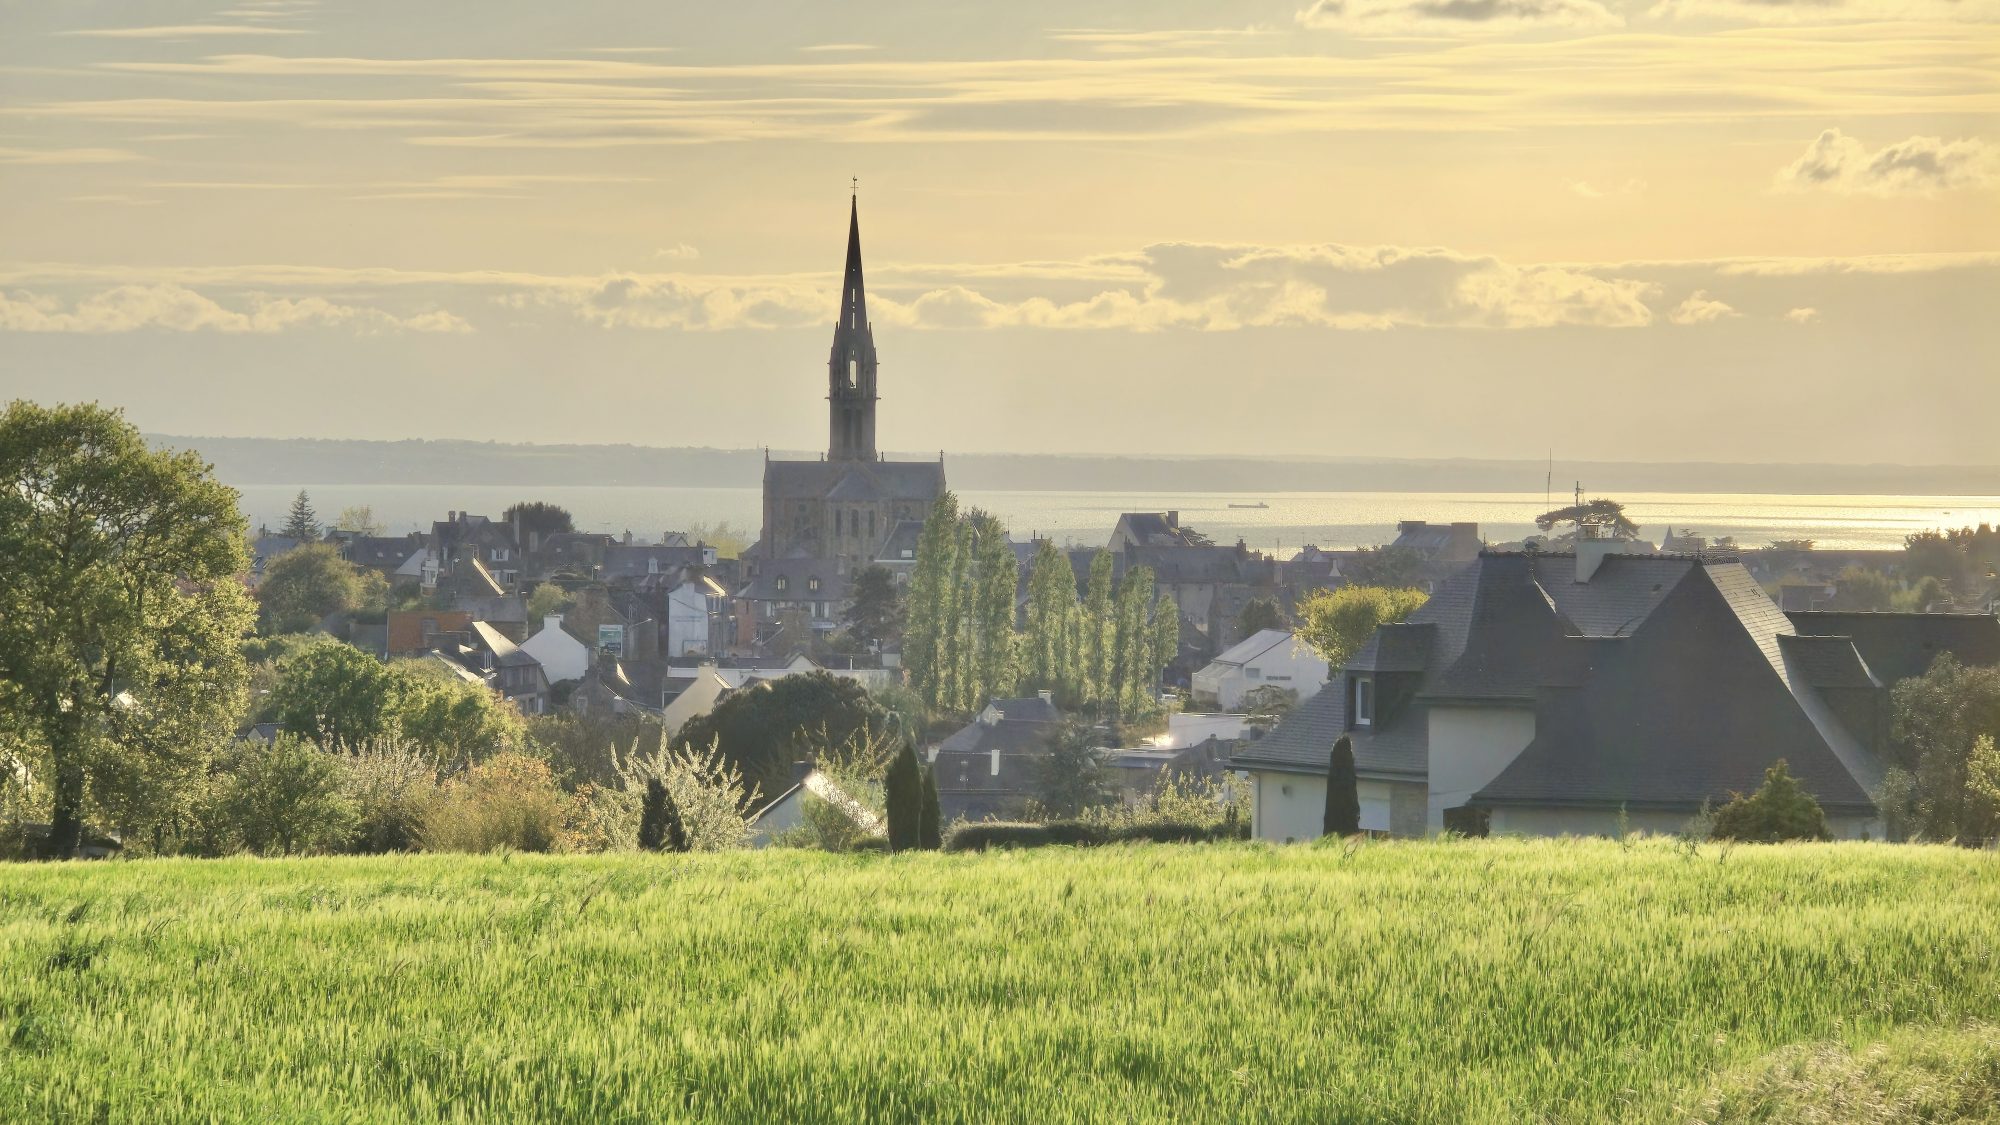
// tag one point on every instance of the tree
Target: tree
(1779, 810)
(338, 696)
(1258, 615)
(1388, 566)
(999, 576)
(958, 633)
(456, 723)
(1934, 554)
(905, 789)
(1336, 623)
(120, 613)
(765, 729)
(660, 827)
(301, 522)
(286, 797)
(304, 585)
(538, 519)
(1859, 587)
(1605, 519)
(359, 519)
(1937, 722)
(1267, 703)
(727, 541)
(1072, 776)
(546, 600)
(711, 800)
(876, 613)
(926, 643)
(1050, 656)
(1343, 800)
(1096, 632)
(930, 829)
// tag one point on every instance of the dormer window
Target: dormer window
(783, 583)
(1364, 701)
(812, 584)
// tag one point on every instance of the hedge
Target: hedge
(984, 835)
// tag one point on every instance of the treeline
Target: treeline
(1102, 651)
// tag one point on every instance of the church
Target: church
(846, 507)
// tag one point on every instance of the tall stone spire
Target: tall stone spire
(851, 368)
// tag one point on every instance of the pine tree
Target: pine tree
(1343, 798)
(904, 789)
(302, 523)
(930, 830)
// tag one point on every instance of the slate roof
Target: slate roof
(854, 480)
(506, 654)
(382, 553)
(798, 574)
(1302, 742)
(1027, 708)
(902, 537)
(1400, 647)
(634, 560)
(1897, 646)
(1253, 646)
(1009, 736)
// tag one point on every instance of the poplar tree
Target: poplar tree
(1051, 607)
(925, 609)
(1166, 632)
(999, 578)
(1133, 666)
(1094, 633)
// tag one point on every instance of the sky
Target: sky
(1737, 230)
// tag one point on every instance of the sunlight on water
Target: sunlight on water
(1329, 519)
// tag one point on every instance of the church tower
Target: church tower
(850, 393)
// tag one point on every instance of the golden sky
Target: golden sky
(1754, 229)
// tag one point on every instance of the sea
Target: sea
(1280, 521)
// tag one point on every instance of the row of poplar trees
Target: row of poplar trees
(1101, 652)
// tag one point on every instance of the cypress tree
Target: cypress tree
(302, 523)
(904, 785)
(653, 817)
(1343, 800)
(930, 832)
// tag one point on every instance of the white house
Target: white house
(694, 700)
(562, 656)
(690, 607)
(1270, 657)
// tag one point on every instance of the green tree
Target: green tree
(766, 729)
(1166, 632)
(120, 614)
(905, 790)
(338, 696)
(301, 523)
(999, 577)
(358, 519)
(930, 829)
(1935, 554)
(538, 518)
(1605, 519)
(305, 584)
(1388, 566)
(875, 614)
(287, 797)
(1937, 721)
(958, 634)
(1980, 824)
(1097, 632)
(1133, 669)
(1336, 623)
(545, 600)
(1859, 587)
(927, 609)
(1258, 615)
(1779, 810)
(1052, 609)
(1343, 800)
(456, 723)
(728, 542)
(1072, 776)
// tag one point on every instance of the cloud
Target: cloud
(1700, 308)
(1403, 17)
(1591, 191)
(1824, 11)
(1802, 315)
(184, 31)
(176, 308)
(839, 47)
(679, 250)
(67, 156)
(1839, 163)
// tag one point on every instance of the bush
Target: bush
(991, 834)
(391, 788)
(1779, 810)
(710, 797)
(285, 797)
(509, 800)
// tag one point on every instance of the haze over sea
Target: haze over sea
(1328, 519)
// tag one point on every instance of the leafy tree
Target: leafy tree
(1260, 614)
(728, 542)
(582, 747)
(1134, 671)
(120, 616)
(764, 730)
(390, 788)
(338, 696)
(905, 788)
(287, 797)
(958, 635)
(1343, 800)
(1267, 703)
(1980, 824)
(455, 722)
(547, 599)
(1779, 810)
(358, 519)
(1388, 566)
(1096, 630)
(1921, 597)
(1859, 587)
(711, 799)
(1606, 519)
(1934, 554)
(1050, 652)
(930, 830)
(304, 585)
(876, 613)
(999, 576)
(301, 523)
(1072, 776)
(1336, 623)
(928, 644)
(538, 518)
(1166, 639)
(1938, 720)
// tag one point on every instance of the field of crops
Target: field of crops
(1431, 981)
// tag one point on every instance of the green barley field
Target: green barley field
(1410, 981)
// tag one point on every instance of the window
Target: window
(813, 583)
(783, 583)
(1252, 674)
(1364, 701)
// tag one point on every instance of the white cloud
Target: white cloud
(184, 31)
(680, 250)
(1589, 190)
(1824, 11)
(175, 308)
(1802, 315)
(67, 156)
(1403, 17)
(1918, 166)
(1700, 308)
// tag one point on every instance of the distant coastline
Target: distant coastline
(253, 460)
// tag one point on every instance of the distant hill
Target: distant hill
(321, 461)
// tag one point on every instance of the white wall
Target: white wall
(687, 620)
(1469, 746)
(562, 656)
(1291, 807)
(1290, 664)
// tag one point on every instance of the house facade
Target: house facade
(1267, 658)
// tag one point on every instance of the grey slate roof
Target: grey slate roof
(383, 552)
(1900, 645)
(1027, 708)
(1302, 742)
(798, 574)
(854, 480)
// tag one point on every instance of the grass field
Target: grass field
(1422, 981)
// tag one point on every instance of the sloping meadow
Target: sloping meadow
(1422, 981)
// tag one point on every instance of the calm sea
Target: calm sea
(1329, 519)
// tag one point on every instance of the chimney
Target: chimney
(1047, 696)
(1173, 519)
(996, 759)
(1591, 553)
(552, 621)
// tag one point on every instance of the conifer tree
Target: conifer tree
(1343, 798)
(930, 830)
(653, 817)
(904, 790)
(302, 523)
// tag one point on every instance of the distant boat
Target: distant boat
(1258, 504)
